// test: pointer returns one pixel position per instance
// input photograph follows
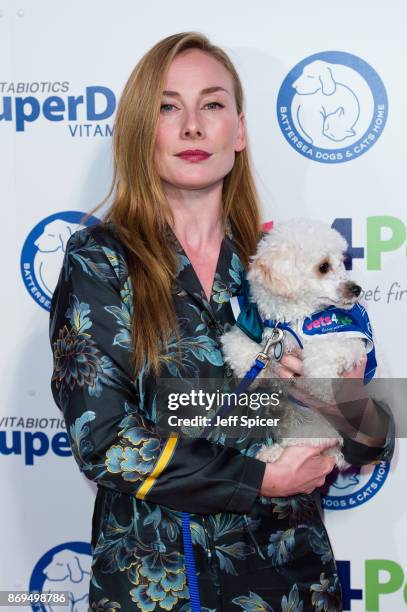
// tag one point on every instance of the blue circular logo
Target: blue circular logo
(44, 250)
(332, 107)
(354, 486)
(66, 567)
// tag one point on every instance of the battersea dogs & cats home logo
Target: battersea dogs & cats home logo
(44, 250)
(332, 107)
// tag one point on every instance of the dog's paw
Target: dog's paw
(269, 454)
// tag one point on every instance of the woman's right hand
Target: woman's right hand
(300, 469)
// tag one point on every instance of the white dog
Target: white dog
(297, 271)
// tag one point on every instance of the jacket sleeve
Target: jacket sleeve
(111, 433)
(357, 453)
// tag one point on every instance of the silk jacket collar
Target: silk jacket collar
(228, 274)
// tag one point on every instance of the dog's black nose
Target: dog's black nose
(356, 290)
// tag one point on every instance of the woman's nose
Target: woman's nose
(192, 126)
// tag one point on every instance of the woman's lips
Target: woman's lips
(194, 156)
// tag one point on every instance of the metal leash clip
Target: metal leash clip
(275, 340)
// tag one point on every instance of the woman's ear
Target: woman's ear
(240, 143)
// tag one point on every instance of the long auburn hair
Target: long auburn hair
(140, 209)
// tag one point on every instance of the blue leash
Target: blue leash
(190, 563)
(260, 363)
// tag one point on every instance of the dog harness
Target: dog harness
(353, 322)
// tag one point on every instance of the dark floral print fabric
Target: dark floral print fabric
(251, 552)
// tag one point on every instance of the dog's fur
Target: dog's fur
(287, 285)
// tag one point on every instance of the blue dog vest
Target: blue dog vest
(353, 322)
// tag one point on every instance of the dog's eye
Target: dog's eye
(324, 267)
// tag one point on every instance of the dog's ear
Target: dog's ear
(277, 272)
(75, 570)
(65, 233)
(63, 230)
(327, 81)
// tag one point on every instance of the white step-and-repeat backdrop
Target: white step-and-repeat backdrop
(325, 104)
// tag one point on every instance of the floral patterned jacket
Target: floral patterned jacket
(251, 552)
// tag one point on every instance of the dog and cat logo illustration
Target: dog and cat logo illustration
(354, 486)
(44, 250)
(332, 106)
(325, 109)
(67, 568)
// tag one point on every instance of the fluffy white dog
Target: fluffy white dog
(298, 270)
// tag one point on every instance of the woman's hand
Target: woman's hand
(299, 469)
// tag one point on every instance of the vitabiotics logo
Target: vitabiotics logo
(84, 114)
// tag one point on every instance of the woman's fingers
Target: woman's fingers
(296, 351)
(284, 373)
(299, 469)
(290, 365)
(324, 465)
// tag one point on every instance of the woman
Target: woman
(145, 294)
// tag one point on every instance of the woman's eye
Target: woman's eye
(212, 105)
(164, 107)
(215, 103)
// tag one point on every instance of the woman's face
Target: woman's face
(194, 120)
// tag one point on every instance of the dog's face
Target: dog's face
(302, 262)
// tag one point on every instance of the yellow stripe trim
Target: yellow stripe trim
(161, 464)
